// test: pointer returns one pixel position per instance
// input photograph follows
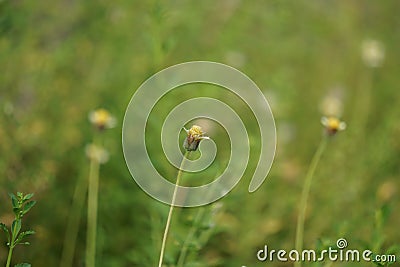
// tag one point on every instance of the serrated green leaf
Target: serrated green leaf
(29, 232)
(5, 230)
(22, 235)
(3, 227)
(14, 200)
(22, 265)
(16, 227)
(24, 243)
(28, 206)
(27, 197)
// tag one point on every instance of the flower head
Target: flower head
(373, 53)
(97, 153)
(102, 119)
(194, 136)
(332, 102)
(333, 125)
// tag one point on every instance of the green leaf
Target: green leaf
(22, 235)
(28, 206)
(22, 265)
(24, 243)
(16, 211)
(14, 200)
(6, 232)
(27, 197)
(20, 195)
(3, 227)
(16, 227)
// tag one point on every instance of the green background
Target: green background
(61, 59)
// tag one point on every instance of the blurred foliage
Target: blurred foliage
(61, 59)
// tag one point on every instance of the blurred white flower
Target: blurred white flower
(97, 153)
(332, 103)
(373, 53)
(102, 119)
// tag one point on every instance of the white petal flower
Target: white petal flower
(102, 119)
(333, 125)
(97, 153)
(373, 53)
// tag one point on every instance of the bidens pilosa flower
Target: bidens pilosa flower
(102, 119)
(333, 125)
(194, 135)
(373, 53)
(97, 153)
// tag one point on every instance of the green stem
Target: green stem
(93, 191)
(12, 245)
(192, 231)
(304, 197)
(9, 256)
(171, 208)
(73, 223)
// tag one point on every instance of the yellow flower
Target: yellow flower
(102, 119)
(333, 125)
(194, 136)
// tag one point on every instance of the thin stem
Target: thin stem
(12, 245)
(171, 208)
(73, 223)
(304, 197)
(93, 191)
(9, 256)
(192, 231)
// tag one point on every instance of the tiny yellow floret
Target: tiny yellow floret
(102, 119)
(194, 135)
(333, 125)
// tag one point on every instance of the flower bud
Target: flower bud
(194, 136)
